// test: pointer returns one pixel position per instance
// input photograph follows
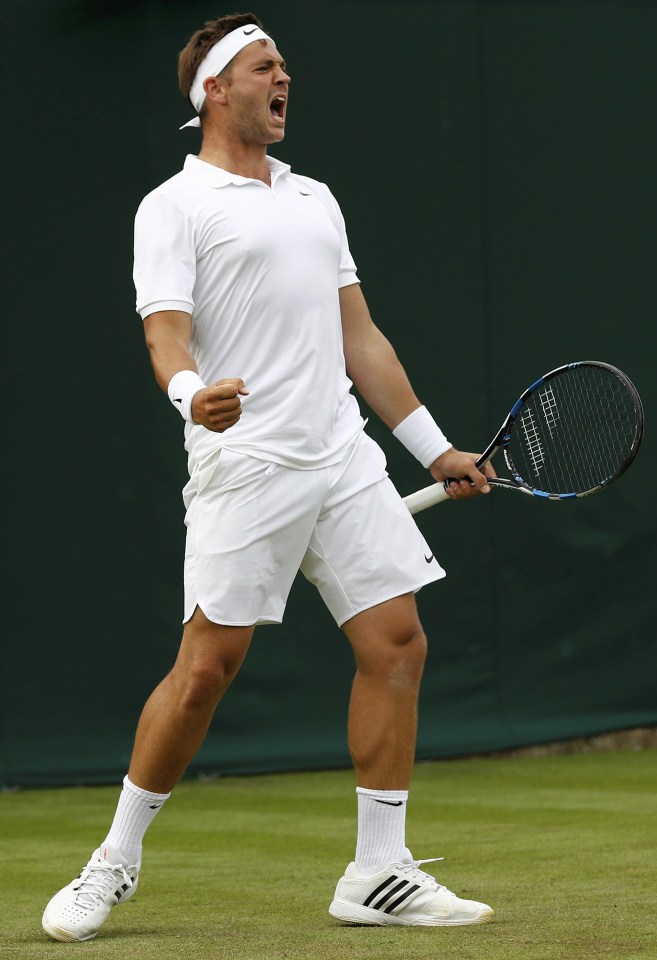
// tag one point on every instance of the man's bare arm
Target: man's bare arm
(372, 363)
(380, 378)
(217, 407)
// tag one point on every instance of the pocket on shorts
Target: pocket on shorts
(206, 470)
(225, 470)
(201, 476)
(373, 458)
(236, 470)
(364, 466)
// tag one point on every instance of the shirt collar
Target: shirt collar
(213, 176)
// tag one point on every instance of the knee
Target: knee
(411, 648)
(210, 656)
(202, 684)
(399, 655)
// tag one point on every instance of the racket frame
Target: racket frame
(437, 492)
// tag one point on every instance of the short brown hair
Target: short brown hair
(198, 45)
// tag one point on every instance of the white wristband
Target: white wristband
(422, 436)
(182, 387)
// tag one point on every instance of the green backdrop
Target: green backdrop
(496, 166)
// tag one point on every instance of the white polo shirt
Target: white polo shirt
(259, 269)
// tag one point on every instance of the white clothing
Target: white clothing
(251, 525)
(259, 269)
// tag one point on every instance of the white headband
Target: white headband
(218, 58)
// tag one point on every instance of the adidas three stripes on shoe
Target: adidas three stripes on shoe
(402, 895)
(79, 910)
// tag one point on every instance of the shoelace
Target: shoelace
(91, 889)
(426, 878)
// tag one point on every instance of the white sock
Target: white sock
(381, 829)
(135, 812)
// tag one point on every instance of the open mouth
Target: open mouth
(277, 107)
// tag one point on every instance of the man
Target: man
(255, 322)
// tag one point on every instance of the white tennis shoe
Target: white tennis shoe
(402, 895)
(79, 910)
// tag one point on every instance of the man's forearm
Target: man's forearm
(169, 357)
(382, 381)
(167, 337)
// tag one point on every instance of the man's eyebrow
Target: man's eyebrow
(270, 62)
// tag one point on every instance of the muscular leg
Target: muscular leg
(384, 884)
(177, 715)
(172, 727)
(390, 650)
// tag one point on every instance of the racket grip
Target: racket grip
(426, 497)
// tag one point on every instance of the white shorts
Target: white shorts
(251, 525)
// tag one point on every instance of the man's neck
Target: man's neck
(244, 160)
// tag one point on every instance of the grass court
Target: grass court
(563, 847)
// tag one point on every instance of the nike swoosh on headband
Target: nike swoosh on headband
(217, 59)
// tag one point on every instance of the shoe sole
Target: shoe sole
(63, 936)
(364, 916)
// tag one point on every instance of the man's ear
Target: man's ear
(215, 89)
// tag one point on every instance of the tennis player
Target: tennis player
(257, 329)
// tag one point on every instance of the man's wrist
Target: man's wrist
(181, 390)
(422, 436)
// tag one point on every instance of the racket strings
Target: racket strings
(574, 433)
(579, 456)
(596, 430)
(533, 444)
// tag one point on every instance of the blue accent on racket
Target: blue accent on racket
(573, 432)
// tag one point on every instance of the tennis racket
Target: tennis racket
(571, 433)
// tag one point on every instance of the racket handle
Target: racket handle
(426, 497)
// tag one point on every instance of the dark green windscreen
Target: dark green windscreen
(495, 163)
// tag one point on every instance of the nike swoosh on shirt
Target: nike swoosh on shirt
(429, 559)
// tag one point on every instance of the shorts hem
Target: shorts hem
(257, 622)
(390, 596)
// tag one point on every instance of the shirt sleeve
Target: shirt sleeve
(165, 257)
(347, 269)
